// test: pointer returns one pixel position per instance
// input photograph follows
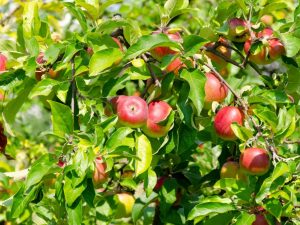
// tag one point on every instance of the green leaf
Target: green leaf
(104, 59)
(273, 6)
(148, 42)
(274, 207)
(72, 192)
(38, 170)
(245, 219)
(44, 87)
(172, 6)
(33, 46)
(78, 14)
(106, 4)
(91, 6)
(62, 119)
(196, 80)
(31, 20)
(192, 44)
(12, 108)
(52, 53)
(118, 138)
(75, 213)
(141, 204)
(150, 182)
(21, 200)
(204, 209)
(144, 153)
(273, 183)
(291, 44)
(267, 116)
(241, 132)
(8, 77)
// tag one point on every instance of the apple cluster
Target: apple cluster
(262, 47)
(132, 111)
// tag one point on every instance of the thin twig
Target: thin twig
(2, 22)
(153, 76)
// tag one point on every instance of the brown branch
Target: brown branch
(2, 22)
(153, 76)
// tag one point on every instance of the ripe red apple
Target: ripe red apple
(175, 66)
(238, 30)
(260, 220)
(215, 90)
(160, 183)
(132, 111)
(222, 49)
(159, 52)
(3, 139)
(271, 49)
(3, 61)
(158, 112)
(232, 169)
(255, 161)
(223, 120)
(99, 175)
(125, 205)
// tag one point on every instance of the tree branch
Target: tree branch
(153, 76)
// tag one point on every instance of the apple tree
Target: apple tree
(150, 112)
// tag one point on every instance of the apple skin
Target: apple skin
(125, 205)
(118, 43)
(222, 49)
(214, 89)
(53, 74)
(276, 49)
(260, 220)
(3, 61)
(267, 19)
(3, 139)
(175, 66)
(255, 161)
(223, 120)
(99, 175)
(158, 111)
(233, 35)
(160, 183)
(132, 111)
(159, 52)
(232, 169)
(115, 101)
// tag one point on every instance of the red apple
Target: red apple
(158, 112)
(115, 101)
(160, 183)
(159, 52)
(265, 33)
(276, 49)
(118, 43)
(215, 90)
(40, 58)
(260, 220)
(125, 205)
(175, 66)
(255, 161)
(61, 163)
(222, 49)
(99, 175)
(3, 139)
(132, 111)
(3, 61)
(223, 120)
(238, 30)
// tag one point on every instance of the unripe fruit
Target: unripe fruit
(238, 30)
(223, 120)
(226, 52)
(267, 19)
(260, 220)
(159, 52)
(53, 74)
(3, 61)
(99, 175)
(125, 205)
(215, 90)
(231, 169)
(132, 111)
(255, 161)
(158, 112)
